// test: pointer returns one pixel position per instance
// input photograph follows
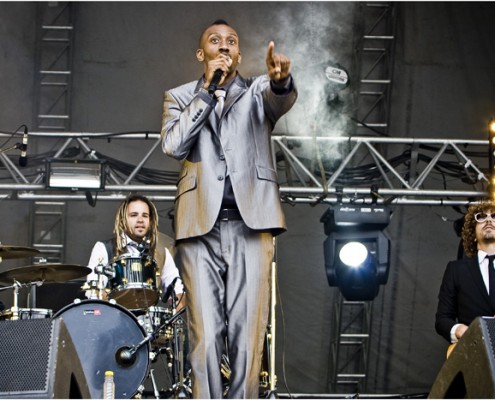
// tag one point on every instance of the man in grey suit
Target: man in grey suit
(227, 206)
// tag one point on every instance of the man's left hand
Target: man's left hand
(278, 65)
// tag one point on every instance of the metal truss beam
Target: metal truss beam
(374, 61)
(311, 170)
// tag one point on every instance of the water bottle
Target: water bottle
(108, 386)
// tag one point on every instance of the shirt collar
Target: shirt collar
(227, 86)
(481, 256)
(126, 240)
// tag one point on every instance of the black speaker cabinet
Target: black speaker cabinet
(38, 360)
(469, 372)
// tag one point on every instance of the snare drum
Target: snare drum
(134, 284)
(27, 313)
(100, 331)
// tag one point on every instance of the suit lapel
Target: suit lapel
(236, 90)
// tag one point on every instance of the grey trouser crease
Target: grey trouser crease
(226, 274)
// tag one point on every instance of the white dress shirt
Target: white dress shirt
(99, 255)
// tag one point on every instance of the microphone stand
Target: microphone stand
(126, 355)
(8, 162)
(14, 147)
(272, 378)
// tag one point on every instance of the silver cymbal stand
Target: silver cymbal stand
(15, 302)
(181, 391)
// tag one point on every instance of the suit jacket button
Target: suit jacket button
(222, 157)
(220, 177)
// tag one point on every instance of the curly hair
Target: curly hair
(121, 227)
(469, 227)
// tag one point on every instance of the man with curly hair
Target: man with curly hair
(465, 289)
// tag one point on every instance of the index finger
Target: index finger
(269, 51)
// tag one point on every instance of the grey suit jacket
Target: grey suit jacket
(240, 142)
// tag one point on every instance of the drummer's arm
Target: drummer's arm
(182, 301)
(169, 273)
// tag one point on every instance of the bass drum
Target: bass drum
(100, 331)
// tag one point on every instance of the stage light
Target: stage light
(75, 174)
(353, 254)
(491, 158)
(491, 126)
(356, 250)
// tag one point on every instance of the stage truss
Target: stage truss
(312, 170)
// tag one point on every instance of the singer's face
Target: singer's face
(138, 220)
(220, 39)
(485, 231)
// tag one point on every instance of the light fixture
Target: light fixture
(75, 174)
(356, 250)
(338, 75)
(491, 158)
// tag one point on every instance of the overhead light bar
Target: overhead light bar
(75, 174)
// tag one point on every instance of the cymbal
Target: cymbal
(8, 252)
(44, 272)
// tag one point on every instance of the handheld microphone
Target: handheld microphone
(217, 76)
(23, 147)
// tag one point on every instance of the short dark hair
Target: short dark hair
(220, 22)
(216, 22)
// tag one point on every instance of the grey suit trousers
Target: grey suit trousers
(226, 274)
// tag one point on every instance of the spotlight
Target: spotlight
(356, 250)
(353, 254)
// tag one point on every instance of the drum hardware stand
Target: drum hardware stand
(156, 392)
(179, 389)
(16, 286)
(97, 287)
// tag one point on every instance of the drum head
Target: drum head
(99, 331)
(134, 296)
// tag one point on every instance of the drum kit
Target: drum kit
(126, 333)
